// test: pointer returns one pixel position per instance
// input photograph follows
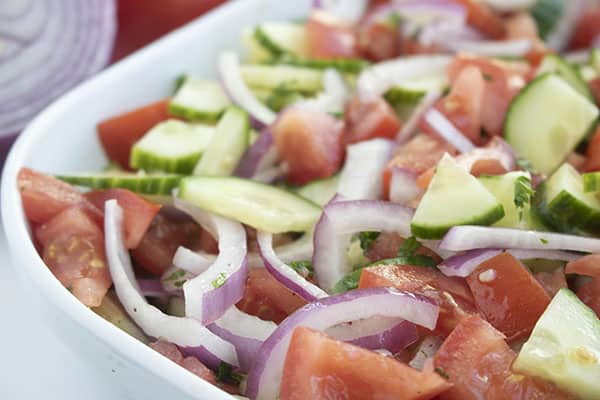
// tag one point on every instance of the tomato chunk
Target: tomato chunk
(586, 29)
(44, 197)
(552, 281)
(118, 134)
(318, 136)
(589, 293)
(478, 362)
(138, 212)
(378, 39)
(329, 37)
(451, 294)
(268, 299)
(388, 244)
(508, 295)
(483, 18)
(370, 119)
(592, 154)
(338, 370)
(73, 249)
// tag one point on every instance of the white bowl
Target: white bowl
(63, 138)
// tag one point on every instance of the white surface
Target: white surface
(34, 362)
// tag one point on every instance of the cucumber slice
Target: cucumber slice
(347, 65)
(139, 183)
(503, 188)
(199, 100)
(282, 38)
(595, 60)
(564, 347)
(255, 52)
(454, 197)
(546, 14)
(266, 208)
(171, 146)
(227, 146)
(320, 191)
(546, 121)
(572, 75)
(412, 91)
(591, 182)
(282, 77)
(565, 204)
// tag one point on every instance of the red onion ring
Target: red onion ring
(210, 294)
(496, 149)
(265, 378)
(192, 261)
(349, 10)
(339, 221)
(152, 288)
(376, 333)
(448, 131)
(403, 186)
(411, 127)
(470, 237)
(187, 333)
(499, 48)
(332, 99)
(256, 156)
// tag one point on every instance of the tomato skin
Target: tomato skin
(119, 133)
(592, 153)
(329, 37)
(588, 266)
(589, 293)
(388, 244)
(44, 197)
(508, 295)
(319, 135)
(367, 120)
(477, 360)
(268, 299)
(451, 294)
(168, 230)
(378, 40)
(586, 30)
(594, 85)
(336, 370)
(73, 249)
(484, 19)
(552, 281)
(137, 212)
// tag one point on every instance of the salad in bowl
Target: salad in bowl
(383, 200)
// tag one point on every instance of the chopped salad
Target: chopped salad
(386, 200)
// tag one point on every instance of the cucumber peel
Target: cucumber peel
(158, 184)
(199, 100)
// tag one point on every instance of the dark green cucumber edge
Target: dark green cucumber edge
(158, 184)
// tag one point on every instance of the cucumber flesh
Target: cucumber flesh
(266, 208)
(556, 64)
(199, 100)
(591, 182)
(255, 52)
(412, 91)
(159, 184)
(595, 60)
(546, 121)
(503, 188)
(454, 197)
(282, 38)
(172, 146)
(564, 347)
(227, 146)
(320, 191)
(282, 77)
(347, 65)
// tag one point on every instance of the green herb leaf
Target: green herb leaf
(367, 239)
(349, 282)
(179, 82)
(523, 193)
(220, 280)
(304, 268)
(544, 241)
(441, 372)
(409, 247)
(175, 276)
(526, 165)
(225, 374)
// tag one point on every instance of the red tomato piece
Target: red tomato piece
(592, 154)
(589, 293)
(478, 363)
(378, 39)
(329, 37)
(338, 370)
(44, 196)
(118, 134)
(388, 244)
(168, 230)
(310, 143)
(138, 212)
(370, 119)
(586, 29)
(268, 299)
(484, 19)
(588, 266)
(192, 364)
(552, 281)
(595, 88)
(508, 295)
(73, 249)
(451, 294)
(417, 155)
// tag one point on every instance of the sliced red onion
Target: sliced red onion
(299, 250)
(333, 98)
(258, 156)
(577, 56)
(462, 265)
(349, 10)
(238, 91)
(339, 221)
(448, 131)
(362, 174)
(284, 273)
(192, 261)
(438, 33)
(188, 333)
(374, 81)
(410, 128)
(403, 186)
(500, 48)
(246, 332)
(561, 34)
(46, 48)
(391, 334)
(211, 293)
(496, 149)
(152, 288)
(510, 5)
(470, 237)
(265, 378)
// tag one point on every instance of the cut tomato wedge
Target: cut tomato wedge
(484, 19)
(508, 295)
(378, 39)
(370, 119)
(329, 37)
(586, 30)
(552, 281)
(592, 154)
(388, 244)
(318, 367)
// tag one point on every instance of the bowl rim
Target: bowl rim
(21, 247)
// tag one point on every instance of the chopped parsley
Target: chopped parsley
(304, 268)
(219, 280)
(407, 255)
(523, 193)
(349, 282)
(488, 77)
(367, 239)
(440, 371)
(544, 241)
(180, 81)
(526, 165)
(225, 374)
(175, 276)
